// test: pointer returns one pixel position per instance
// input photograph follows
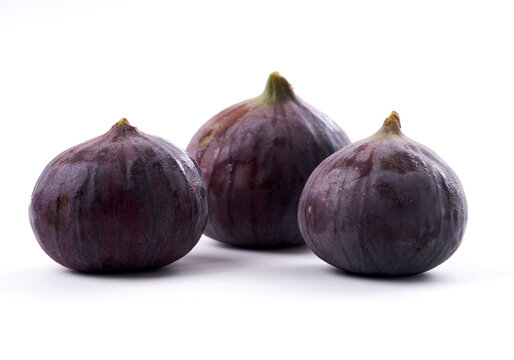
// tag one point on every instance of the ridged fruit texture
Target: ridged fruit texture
(256, 157)
(385, 206)
(120, 202)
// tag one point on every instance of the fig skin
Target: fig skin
(123, 201)
(256, 157)
(383, 206)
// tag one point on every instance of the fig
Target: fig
(383, 206)
(123, 201)
(256, 157)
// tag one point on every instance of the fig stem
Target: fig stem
(277, 90)
(123, 121)
(391, 125)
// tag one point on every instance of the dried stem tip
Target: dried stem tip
(391, 124)
(123, 121)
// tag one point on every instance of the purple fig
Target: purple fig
(255, 157)
(383, 206)
(120, 202)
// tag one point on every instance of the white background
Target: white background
(70, 69)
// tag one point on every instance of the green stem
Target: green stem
(277, 90)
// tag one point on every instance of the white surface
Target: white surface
(69, 70)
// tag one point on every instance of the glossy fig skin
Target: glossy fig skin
(123, 201)
(383, 206)
(256, 157)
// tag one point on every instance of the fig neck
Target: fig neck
(277, 90)
(391, 126)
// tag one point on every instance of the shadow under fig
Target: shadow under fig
(136, 274)
(326, 278)
(189, 264)
(426, 277)
(296, 249)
